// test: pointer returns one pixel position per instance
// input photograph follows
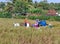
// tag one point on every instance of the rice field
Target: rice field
(22, 35)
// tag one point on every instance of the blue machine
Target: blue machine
(42, 23)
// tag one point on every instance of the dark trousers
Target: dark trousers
(25, 24)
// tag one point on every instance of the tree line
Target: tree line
(21, 7)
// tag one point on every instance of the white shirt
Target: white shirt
(27, 24)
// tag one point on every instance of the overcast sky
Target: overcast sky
(55, 1)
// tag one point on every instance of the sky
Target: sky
(4, 0)
(55, 1)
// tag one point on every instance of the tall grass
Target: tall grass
(21, 35)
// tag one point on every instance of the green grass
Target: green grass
(21, 35)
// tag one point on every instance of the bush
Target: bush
(36, 10)
(32, 17)
(39, 17)
(42, 17)
(5, 15)
(52, 18)
(57, 18)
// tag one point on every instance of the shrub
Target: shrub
(57, 18)
(36, 10)
(52, 18)
(32, 17)
(43, 17)
(5, 15)
(39, 17)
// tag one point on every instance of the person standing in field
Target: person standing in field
(26, 22)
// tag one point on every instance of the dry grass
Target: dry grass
(20, 35)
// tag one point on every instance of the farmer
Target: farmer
(26, 23)
(36, 25)
(37, 21)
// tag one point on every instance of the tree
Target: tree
(2, 5)
(44, 6)
(9, 7)
(45, 1)
(20, 6)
